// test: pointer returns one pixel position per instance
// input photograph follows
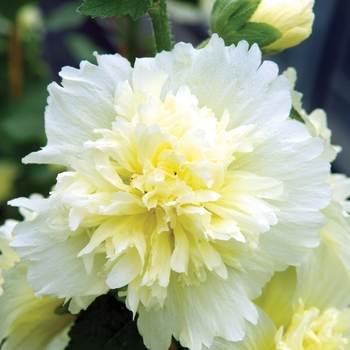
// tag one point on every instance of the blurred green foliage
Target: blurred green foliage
(23, 92)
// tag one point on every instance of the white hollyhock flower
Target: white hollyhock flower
(186, 182)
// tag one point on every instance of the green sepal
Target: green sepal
(231, 15)
(105, 325)
(268, 52)
(261, 33)
(294, 114)
(229, 19)
(115, 8)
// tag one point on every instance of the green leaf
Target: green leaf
(81, 47)
(294, 114)
(231, 15)
(23, 120)
(54, 21)
(115, 8)
(105, 325)
(261, 33)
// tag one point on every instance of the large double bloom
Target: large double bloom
(186, 184)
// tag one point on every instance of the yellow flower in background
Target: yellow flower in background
(293, 18)
(320, 317)
(26, 321)
(187, 184)
(302, 308)
(8, 256)
(311, 329)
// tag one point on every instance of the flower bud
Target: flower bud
(293, 18)
(273, 24)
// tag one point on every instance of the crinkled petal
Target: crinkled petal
(250, 91)
(257, 337)
(83, 103)
(52, 258)
(221, 306)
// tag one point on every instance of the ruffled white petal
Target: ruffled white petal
(231, 78)
(84, 102)
(258, 337)
(217, 304)
(58, 258)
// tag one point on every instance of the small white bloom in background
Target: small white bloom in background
(186, 182)
(293, 18)
(340, 184)
(316, 121)
(30, 19)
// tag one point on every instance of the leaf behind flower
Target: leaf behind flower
(113, 8)
(105, 325)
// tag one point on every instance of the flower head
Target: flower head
(186, 182)
(293, 18)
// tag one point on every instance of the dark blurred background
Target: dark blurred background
(50, 34)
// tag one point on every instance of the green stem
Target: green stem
(161, 28)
